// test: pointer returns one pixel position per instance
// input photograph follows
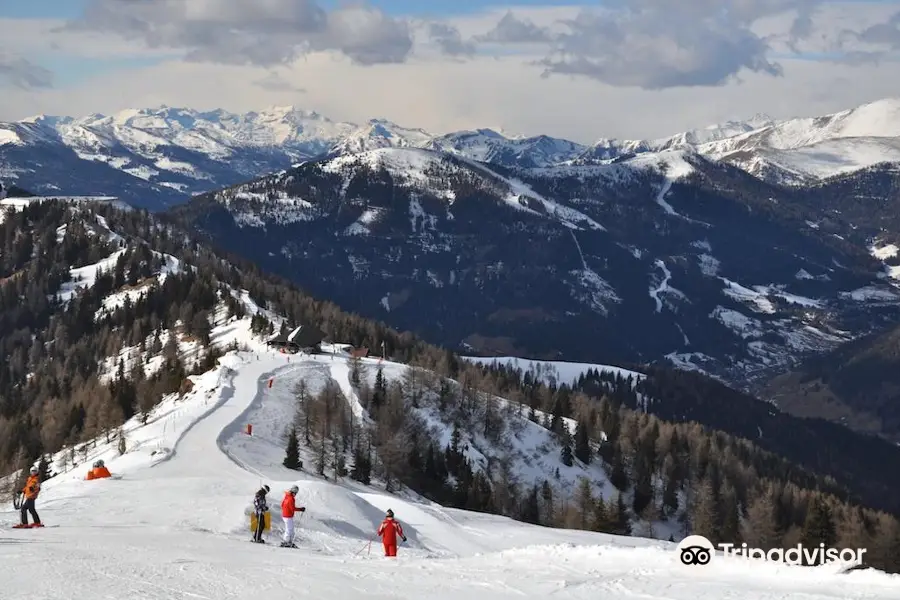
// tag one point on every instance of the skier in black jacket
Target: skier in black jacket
(261, 508)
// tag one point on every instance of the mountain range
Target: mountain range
(730, 249)
(159, 157)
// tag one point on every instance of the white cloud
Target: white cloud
(481, 70)
(22, 73)
(251, 32)
(481, 93)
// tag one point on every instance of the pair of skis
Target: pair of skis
(18, 501)
(282, 545)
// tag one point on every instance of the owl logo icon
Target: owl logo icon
(695, 550)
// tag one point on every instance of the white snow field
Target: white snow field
(172, 524)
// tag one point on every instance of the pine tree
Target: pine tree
(362, 466)
(44, 468)
(302, 409)
(548, 514)
(621, 523)
(292, 452)
(617, 476)
(121, 446)
(531, 510)
(602, 516)
(730, 527)
(566, 456)
(670, 487)
(582, 443)
(379, 393)
(585, 501)
(819, 527)
(356, 372)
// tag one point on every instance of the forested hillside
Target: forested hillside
(857, 385)
(104, 311)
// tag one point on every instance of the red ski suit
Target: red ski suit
(389, 530)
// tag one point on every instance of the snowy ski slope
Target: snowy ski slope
(172, 524)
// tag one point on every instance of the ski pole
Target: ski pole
(366, 545)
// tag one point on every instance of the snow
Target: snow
(172, 523)
(778, 291)
(832, 157)
(425, 169)
(8, 136)
(884, 252)
(553, 371)
(709, 264)
(84, 277)
(755, 299)
(589, 287)
(672, 163)
(663, 286)
(741, 324)
(18, 204)
(871, 293)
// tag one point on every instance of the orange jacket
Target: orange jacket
(289, 506)
(389, 531)
(32, 487)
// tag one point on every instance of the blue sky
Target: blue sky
(43, 9)
(71, 8)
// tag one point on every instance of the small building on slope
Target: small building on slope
(304, 338)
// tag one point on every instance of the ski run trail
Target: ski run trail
(173, 523)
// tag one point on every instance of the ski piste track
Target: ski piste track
(176, 528)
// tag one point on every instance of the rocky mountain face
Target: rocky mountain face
(155, 158)
(665, 254)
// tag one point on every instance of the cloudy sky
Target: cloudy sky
(578, 69)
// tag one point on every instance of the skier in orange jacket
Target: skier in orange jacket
(288, 508)
(31, 490)
(389, 530)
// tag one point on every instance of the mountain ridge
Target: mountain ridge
(174, 152)
(684, 259)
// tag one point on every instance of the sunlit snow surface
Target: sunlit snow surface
(171, 524)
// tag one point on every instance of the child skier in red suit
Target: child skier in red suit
(389, 531)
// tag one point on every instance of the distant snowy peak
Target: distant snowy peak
(380, 133)
(610, 149)
(487, 145)
(793, 151)
(874, 120)
(154, 157)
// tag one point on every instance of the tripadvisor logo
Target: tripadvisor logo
(697, 550)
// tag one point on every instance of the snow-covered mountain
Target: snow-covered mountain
(663, 255)
(611, 148)
(161, 156)
(152, 158)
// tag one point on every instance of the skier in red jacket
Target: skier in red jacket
(389, 531)
(288, 508)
